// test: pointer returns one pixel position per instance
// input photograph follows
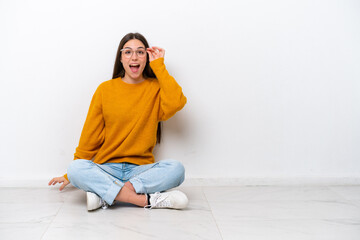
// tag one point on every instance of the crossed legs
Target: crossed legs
(107, 180)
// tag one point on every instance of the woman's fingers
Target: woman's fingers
(65, 183)
(62, 180)
(159, 51)
(150, 51)
(151, 57)
(155, 53)
(51, 181)
(62, 186)
(55, 181)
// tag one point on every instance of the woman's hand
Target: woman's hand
(59, 180)
(155, 53)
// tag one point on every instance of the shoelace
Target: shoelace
(159, 201)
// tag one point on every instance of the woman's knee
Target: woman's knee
(76, 167)
(176, 169)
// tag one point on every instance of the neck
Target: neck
(130, 80)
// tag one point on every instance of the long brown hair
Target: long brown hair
(119, 70)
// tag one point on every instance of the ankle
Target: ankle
(129, 186)
(126, 195)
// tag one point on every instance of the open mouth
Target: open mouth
(134, 67)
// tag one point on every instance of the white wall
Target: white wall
(273, 87)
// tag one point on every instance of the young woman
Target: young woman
(114, 159)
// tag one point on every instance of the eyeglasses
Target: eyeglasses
(128, 52)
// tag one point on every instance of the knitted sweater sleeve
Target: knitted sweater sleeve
(172, 98)
(93, 132)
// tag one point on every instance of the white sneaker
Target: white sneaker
(173, 199)
(94, 202)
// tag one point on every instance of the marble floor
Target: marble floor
(236, 212)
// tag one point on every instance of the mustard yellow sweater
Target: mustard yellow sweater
(122, 121)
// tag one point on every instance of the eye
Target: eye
(141, 52)
(127, 52)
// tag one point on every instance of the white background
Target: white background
(273, 87)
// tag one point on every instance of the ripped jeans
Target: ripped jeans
(106, 180)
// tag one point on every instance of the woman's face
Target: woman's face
(133, 59)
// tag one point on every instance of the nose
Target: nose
(134, 56)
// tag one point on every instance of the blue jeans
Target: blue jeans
(106, 180)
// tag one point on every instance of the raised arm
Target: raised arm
(172, 98)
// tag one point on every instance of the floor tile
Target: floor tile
(73, 221)
(283, 213)
(23, 231)
(295, 229)
(32, 195)
(27, 220)
(276, 210)
(348, 192)
(265, 193)
(236, 212)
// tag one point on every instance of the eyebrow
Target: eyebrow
(131, 48)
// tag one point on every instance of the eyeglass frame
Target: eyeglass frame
(134, 51)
